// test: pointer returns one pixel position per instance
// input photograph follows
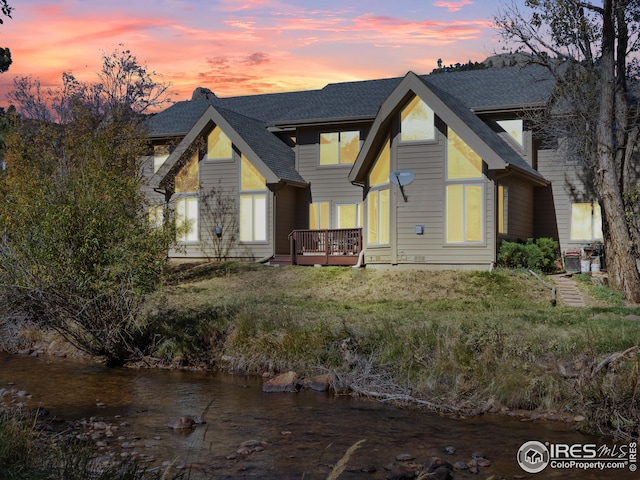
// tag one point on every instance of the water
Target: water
(304, 434)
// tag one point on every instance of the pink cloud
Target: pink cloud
(453, 6)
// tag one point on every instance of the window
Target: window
(503, 208)
(319, 216)
(349, 215)
(586, 221)
(187, 178)
(186, 203)
(218, 145)
(464, 192)
(417, 122)
(187, 219)
(253, 203)
(339, 148)
(253, 217)
(156, 216)
(515, 128)
(378, 205)
(160, 155)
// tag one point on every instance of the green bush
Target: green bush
(536, 254)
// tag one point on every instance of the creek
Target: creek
(304, 434)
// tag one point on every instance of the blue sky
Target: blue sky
(239, 47)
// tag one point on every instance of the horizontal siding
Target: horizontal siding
(425, 205)
(224, 176)
(553, 204)
(328, 183)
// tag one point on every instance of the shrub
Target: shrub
(537, 254)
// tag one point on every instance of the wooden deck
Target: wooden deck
(323, 247)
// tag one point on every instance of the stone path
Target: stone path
(567, 291)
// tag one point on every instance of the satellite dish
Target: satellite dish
(401, 177)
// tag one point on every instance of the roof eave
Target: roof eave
(315, 122)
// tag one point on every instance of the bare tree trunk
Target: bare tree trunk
(619, 247)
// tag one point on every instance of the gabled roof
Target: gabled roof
(478, 135)
(273, 158)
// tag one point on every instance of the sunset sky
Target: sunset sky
(239, 47)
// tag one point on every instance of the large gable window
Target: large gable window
(339, 148)
(464, 192)
(378, 199)
(219, 145)
(417, 122)
(186, 203)
(586, 221)
(253, 203)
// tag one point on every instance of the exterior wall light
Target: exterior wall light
(218, 231)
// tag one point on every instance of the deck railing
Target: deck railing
(326, 247)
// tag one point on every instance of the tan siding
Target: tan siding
(224, 175)
(328, 183)
(553, 204)
(426, 206)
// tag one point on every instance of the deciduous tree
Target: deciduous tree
(77, 251)
(591, 49)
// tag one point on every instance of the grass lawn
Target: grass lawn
(460, 341)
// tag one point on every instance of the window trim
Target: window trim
(184, 240)
(220, 159)
(593, 238)
(465, 182)
(427, 140)
(340, 163)
(254, 195)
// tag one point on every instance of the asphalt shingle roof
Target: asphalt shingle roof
(276, 155)
(251, 115)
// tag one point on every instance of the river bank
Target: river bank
(124, 415)
(460, 343)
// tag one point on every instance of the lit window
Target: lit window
(515, 128)
(218, 145)
(464, 192)
(417, 122)
(160, 155)
(462, 161)
(253, 217)
(252, 179)
(187, 219)
(339, 148)
(586, 221)
(378, 205)
(319, 216)
(349, 216)
(253, 206)
(156, 216)
(187, 178)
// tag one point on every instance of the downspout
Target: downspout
(360, 259)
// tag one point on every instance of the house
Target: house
(423, 171)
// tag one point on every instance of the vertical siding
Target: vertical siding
(519, 209)
(285, 217)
